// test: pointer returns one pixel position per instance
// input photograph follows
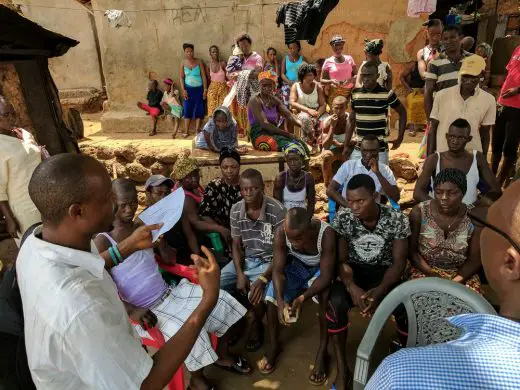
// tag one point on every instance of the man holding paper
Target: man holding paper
(140, 283)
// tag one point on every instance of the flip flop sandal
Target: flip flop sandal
(265, 371)
(319, 374)
(240, 366)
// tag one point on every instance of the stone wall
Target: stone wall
(79, 67)
(153, 41)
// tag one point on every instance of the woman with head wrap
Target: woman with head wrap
(219, 132)
(191, 229)
(444, 242)
(264, 111)
(485, 51)
(373, 49)
(222, 192)
(295, 186)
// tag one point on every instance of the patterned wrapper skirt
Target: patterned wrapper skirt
(240, 114)
(472, 283)
(415, 105)
(217, 91)
(339, 91)
(264, 141)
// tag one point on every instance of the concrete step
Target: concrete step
(132, 120)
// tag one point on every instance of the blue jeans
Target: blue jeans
(253, 267)
(297, 276)
(356, 155)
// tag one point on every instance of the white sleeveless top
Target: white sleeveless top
(309, 260)
(295, 199)
(308, 100)
(472, 178)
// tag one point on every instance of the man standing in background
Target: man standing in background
(18, 160)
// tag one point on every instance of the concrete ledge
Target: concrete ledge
(132, 120)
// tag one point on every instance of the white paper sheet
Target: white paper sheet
(167, 211)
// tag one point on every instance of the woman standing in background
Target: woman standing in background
(194, 86)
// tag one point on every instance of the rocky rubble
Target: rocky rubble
(127, 161)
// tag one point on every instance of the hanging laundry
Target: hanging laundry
(303, 20)
(117, 18)
(417, 7)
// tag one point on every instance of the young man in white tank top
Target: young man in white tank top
(302, 248)
(472, 162)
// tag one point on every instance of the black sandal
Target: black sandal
(240, 366)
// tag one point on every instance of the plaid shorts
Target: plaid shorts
(173, 310)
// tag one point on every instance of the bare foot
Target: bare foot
(185, 135)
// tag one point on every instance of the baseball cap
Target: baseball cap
(473, 65)
(336, 39)
(157, 180)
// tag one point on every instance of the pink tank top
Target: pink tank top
(219, 76)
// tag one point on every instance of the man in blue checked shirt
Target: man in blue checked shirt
(487, 356)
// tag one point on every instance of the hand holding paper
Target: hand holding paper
(167, 211)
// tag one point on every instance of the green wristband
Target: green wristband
(112, 255)
(117, 253)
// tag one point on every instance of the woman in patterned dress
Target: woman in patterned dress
(444, 241)
(222, 192)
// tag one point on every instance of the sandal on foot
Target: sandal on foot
(316, 375)
(152, 133)
(263, 363)
(240, 366)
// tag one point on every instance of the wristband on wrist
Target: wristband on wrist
(112, 255)
(263, 279)
(117, 253)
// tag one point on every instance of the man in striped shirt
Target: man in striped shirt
(444, 71)
(369, 115)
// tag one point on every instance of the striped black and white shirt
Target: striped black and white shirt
(257, 235)
(444, 71)
(371, 108)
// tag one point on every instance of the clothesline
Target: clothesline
(187, 8)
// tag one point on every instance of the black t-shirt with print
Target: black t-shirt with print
(372, 248)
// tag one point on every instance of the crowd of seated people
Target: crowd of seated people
(275, 254)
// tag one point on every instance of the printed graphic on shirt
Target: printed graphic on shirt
(368, 247)
(267, 234)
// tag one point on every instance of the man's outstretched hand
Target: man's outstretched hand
(208, 273)
(141, 238)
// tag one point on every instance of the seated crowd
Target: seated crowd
(256, 257)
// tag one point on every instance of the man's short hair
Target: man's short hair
(59, 182)
(297, 218)
(434, 23)
(320, 61)
(461, 123)
(304, 69)
(251, 173)
(244, 37)
(369, 137)
(371, 64)
(340, 100)
(362, 181)
(188, 46)
(454, 27)
(123, 185)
